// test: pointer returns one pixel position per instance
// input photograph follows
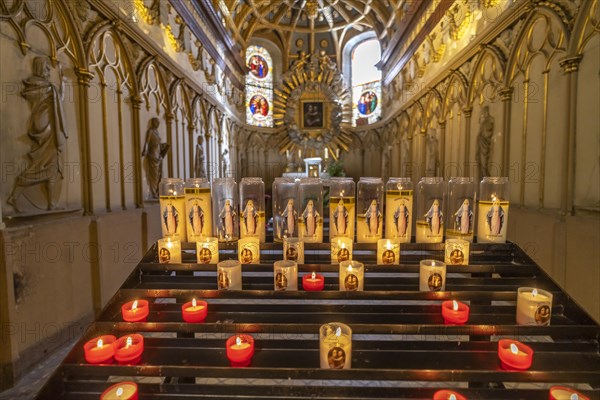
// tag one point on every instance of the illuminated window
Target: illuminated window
(366, 83)
(259, 87)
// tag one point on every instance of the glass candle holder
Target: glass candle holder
(252, 208)
(310, 221)
(369, 205)
(225, 206)
(493, 210)
(249, 250)
(341, 249)
(229, 275)
(285, 274)
(534, 306)
(342, 209)
(285, 208)
(456, 252)
(172, 208)
(351, 276)
(388, 251)
(431, 199)
(398, 209)
(169, 251)
(207, 250)
(198, 209)
(432, 276)
(335, 346)
(293, 249)
(461, 208)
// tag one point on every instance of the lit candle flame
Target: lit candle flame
(343, 245)
(350, 268)
(574, 396)
(238, 340)
(313, 275)
(514, 349)
(129, 342)
(99, 343)
(134, 306)
(452, 397)
(338, 331)
(194, 302)
(534, 292)
(454, 305)
(169, 244)
(120, 392)
(388, 245)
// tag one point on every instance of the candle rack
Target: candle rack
(401, 347)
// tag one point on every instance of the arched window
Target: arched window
(259, 87)
(366, 83)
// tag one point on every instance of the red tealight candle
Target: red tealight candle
(448, 395)
(455, 312)
(565, 393)
(121, 391)
(135, 311)
(514, 354)
(240, 349)
(313, 282)
(100, 350)
(129, 349)
(194, 311)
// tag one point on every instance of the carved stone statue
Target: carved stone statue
(154, 152)
(48, 134)
(225, 162)
(385, 162)
(199, 170)
(432, 154)
(484, 141)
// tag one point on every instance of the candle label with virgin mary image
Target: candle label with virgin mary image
(430, 228)
(398, 215)
(342, 214)
(198, 213)
(252, 220)
(249, 250)
(310, 223)
(172, 216)
(492, 221)
(370, 223)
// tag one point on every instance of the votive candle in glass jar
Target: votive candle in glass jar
(225, 208)
(351, 276)
(460, 223)
(431, 199)
(229, 275)
(341, 249)
(432, 276)
(249, 250)
(293, 249)
(399, 209)
(310, 196)
(456, 252)
(172, 208)
(285, 208)
(341, 207)
(207, 251)
(369, 205)
(493, 210)
(198, 209)
(534, 306)
(388, 251)
(252, 208)
(335, 346)
(169, 251)
(285, 275)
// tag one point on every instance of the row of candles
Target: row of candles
(455, 209)
(388, 251)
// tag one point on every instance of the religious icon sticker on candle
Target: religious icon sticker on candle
(293, 249)
(198, 209)
(335, 342)
(399, 209)
(225, 205)
(285, 274)
(369, 205)
(341, 208)
(172, 208)
(341, 249)
(456, 252)
(430, 210)
(565, 393)
(285, 208)
(310, 221)
(121, 391)
(492, 217)
(432, 276)
(249, 250)
(207, 250)
(351, 276)
(388, 251)
(169, 251)
(461, 208)
(229, 275)
(534, 306)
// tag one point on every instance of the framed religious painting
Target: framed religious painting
(312, 115)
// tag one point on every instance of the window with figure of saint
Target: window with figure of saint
(259, 87)
(366, 83)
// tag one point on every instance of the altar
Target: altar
(312, 168)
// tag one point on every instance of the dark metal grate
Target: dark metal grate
(401, 347)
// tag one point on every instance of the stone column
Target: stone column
(506, 96)
(442, 148)
(169, 120)
(468, 111)
(136, 103)
(84, 77)
(191, 162)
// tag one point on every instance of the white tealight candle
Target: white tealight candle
(169, 251)
(229, 275)
(207, 250)
(534, 306)
(351, 276)
(388, 251)
(432, 276)
(341, 249)
(335, 345)
(293, 249)
(285, 274)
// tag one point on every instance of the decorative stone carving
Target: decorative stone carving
(484, 141)
(154, 152)
(225, 162)
(47, 131)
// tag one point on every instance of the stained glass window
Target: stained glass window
(259, 87)
(366, 83)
